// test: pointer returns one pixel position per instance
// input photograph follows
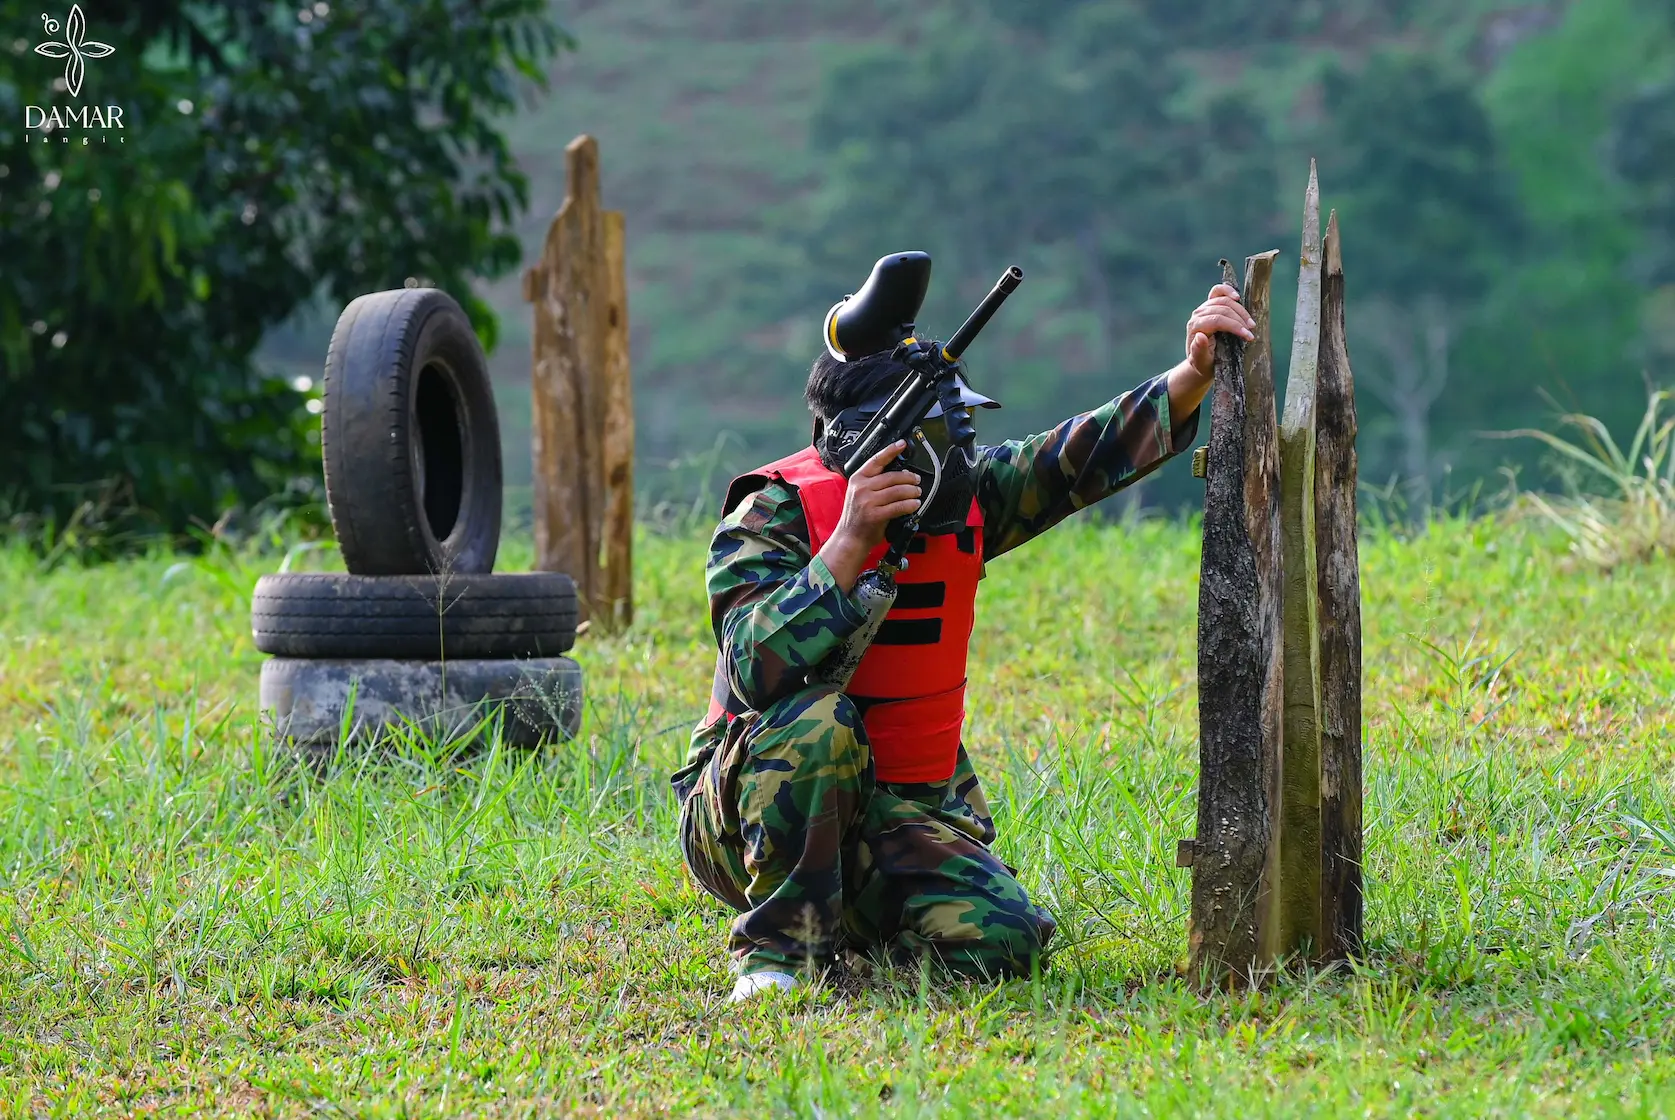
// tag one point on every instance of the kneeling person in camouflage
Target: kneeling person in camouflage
(854, 820)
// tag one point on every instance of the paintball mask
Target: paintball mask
(939, 462)
(880, 317)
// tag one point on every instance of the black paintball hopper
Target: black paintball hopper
(881, 315)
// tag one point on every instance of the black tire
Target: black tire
(410, 438)
(305, 701)
(329, 614)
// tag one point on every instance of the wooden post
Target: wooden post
(1276, 864)
(1340, 620)
(583, 421)
(1239, 678)
(617, 547)
(1295, 867)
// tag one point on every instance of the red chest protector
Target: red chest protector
(910, 685)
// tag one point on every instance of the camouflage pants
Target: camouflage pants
(788, 825)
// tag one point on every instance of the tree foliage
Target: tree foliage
(1414, 165)
(1415, 169)
(1059, 133)
(1643, 154)
(1504, 164)
(271, 152)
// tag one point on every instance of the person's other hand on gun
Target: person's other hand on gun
(1220, 312)
(875, 498)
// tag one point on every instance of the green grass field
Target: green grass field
(189, 924)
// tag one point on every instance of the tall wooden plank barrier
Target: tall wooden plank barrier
(1238, 650)
(616, 555)
(1276, 863)
(1340, 620)
(583, 410)
(1296, 856)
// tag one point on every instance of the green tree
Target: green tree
(270, 152)
(1643, 155)
(1430, 218)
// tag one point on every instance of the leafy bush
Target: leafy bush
(268, 153)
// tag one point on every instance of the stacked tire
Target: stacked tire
(421, 630)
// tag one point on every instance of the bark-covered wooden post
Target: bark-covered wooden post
(1295, 867)
(616, 556)
(1339, 584)
(583, 420)
(1276, 864)
(1239, 677)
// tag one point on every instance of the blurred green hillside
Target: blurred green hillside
(702, 114)
(1498, 168)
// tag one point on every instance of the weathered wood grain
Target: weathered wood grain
(1239, 673)
(1295, 864)
(566, 287)
(1340, 620)
(617, 547)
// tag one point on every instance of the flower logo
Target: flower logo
(75, 47)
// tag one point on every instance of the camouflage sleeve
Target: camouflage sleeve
(775, 607)
(1025, 487)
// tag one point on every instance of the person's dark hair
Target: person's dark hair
(834, 386)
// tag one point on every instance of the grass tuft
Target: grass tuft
(1617, 505)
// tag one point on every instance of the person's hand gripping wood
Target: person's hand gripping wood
(1190, 381)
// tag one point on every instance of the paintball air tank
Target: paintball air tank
(888, 304)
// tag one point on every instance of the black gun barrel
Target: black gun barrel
(1005, 286)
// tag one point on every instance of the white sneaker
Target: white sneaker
(753, 984)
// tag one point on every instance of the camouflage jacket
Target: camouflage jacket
(776, 609)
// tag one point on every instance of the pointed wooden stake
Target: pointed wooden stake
(583, 409)
(1294, 869)
(616, 558)
(1238, 651)
(1276, 864)
(1340, 620)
